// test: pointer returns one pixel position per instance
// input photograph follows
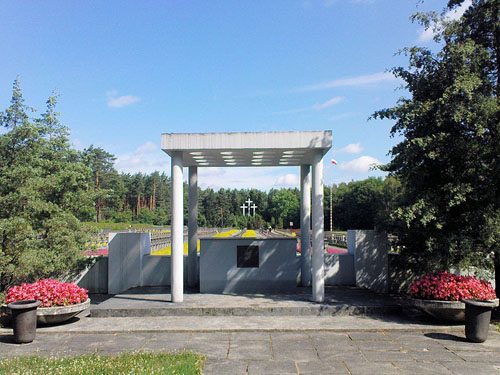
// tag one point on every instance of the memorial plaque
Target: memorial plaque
(247, 257)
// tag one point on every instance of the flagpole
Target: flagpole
(331, 209)
(334, 162)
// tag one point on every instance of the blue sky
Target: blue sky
(127, 71)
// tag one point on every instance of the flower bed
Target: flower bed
(445, 286)
(226, 234)
(49, 292)
(168, 250)
(249, 233)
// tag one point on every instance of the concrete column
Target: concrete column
(193, 228)
(305, 225)
(177, 268)
(318, 272)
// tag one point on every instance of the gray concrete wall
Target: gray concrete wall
(277, 271)
(125, 260)
(95, 278)
(370, 259)
(339, 269)
(156, 270)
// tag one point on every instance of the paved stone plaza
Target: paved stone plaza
(289, 352)
(359, 333)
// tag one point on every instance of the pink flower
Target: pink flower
(49, 292)
(450, 287)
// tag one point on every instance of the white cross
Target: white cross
(244, 209)
(253, 207)
(249, 202)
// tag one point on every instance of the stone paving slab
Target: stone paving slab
(310, 352)
(359, 326)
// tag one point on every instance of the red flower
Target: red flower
(49, 292)
(449, 287)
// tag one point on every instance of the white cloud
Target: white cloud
(426, 35)
(363, 80)
(353, 148)
(328, 103)
(360, 165)
(115, 101)
(289, 179)
(315, 107)
(342, 116)
(122, 101)
(77, 143)
(147, 147)
(147, 158)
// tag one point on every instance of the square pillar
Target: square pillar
(305, 225)
(193, 228)
(177, 229)
(318, 264)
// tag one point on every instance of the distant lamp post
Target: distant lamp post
(334, 162)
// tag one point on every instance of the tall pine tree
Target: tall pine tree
(42, 194)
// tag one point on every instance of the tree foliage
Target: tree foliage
(448, 161)
(105, 181)
(42, 194)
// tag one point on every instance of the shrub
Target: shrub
(49, 292)
(449, 287)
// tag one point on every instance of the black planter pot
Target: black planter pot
(477, 319)
(24, 320)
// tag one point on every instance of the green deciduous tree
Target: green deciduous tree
(448, 161)
(284, 207)
(42, 195)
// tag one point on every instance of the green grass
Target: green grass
(185, 363)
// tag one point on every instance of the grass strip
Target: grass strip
(176, 363)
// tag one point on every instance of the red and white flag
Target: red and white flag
(334, 161)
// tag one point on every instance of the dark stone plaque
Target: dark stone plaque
(247, 257)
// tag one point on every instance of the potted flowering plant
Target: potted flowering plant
(441, 294)
(59, 301)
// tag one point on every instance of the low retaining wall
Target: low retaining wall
(95, 279)
(339, 269)
(371, 264)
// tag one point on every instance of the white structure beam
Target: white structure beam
(193, 228)
(177, 230)
(305, 225)
(318, 272)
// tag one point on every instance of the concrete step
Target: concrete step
(319, 310)
(339, 301)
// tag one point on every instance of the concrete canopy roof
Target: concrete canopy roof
(247, 149)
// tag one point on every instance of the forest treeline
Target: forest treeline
(145, 198)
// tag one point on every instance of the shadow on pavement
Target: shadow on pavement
(7, 339)
(445, 336)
